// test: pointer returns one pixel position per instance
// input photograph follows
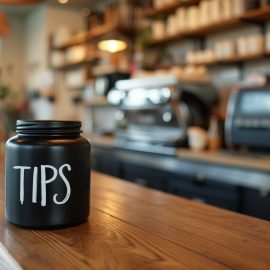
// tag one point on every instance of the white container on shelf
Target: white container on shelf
(267, 42)
(218, 50)
(204, 11)
(57, 59)
(181, 17)
(199, 57)
(159, 3)
(191, 57)
(229, 50)
(209, 56)
(255, 44)
(242, 46)
(171, 27)
(238, 8)
(158, 29)
(225, 49)
(227, 8)
(76, 54)
(215, 14)
(193, 17)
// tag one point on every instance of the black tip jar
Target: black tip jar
(47, 175)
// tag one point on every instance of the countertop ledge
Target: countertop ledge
(213, 157)
(131, 227)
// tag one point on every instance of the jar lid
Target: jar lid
(48, 127)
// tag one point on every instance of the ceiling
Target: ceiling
(22, 10)
(17, 10)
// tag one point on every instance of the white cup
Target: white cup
(197, 138)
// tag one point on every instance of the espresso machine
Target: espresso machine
(154, 113)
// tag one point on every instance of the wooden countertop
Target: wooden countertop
(132, 227)
(214, 157)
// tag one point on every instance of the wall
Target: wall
(57, 17)
(12, 58)
(36, 46)
(39, 25)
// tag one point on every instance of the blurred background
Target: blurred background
(174, 94)
(53, 67)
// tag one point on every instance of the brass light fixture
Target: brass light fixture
(112, 45)
(63, 2)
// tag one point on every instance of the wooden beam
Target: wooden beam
(20, 2)
(5, 28)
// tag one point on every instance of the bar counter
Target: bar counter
(261, 163)
(132, 227)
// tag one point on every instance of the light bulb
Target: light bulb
(112, 45)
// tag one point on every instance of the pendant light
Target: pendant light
(113, 42)
(112, 45)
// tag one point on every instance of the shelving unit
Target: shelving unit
(256, 17)
(68, 66)
(259, 15)
(228, 61)
(236, 59)
(152, 12)
(199, 32)
(253, 16)
(241, 59)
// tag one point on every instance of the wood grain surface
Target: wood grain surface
(132, 227)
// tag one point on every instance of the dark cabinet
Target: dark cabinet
(144, 176)
(256, 203)
(202, 190)
(187, 182)
(105, 162)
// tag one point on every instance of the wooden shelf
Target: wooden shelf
(215, 27)
(239, 59)
(233, 60)
(68, 66)
(164, 66)
(164, 10)
(262, 14)
(76, 40)
(236, 59)
(97, 101)
(97, 33)
(258, 15)
(202, 31)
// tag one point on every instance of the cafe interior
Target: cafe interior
(173, 95)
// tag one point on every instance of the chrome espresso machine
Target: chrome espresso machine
(154, 112)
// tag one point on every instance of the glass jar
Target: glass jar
(47, 175)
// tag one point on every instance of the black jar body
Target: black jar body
(48, 177)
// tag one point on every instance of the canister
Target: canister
(47, 175)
